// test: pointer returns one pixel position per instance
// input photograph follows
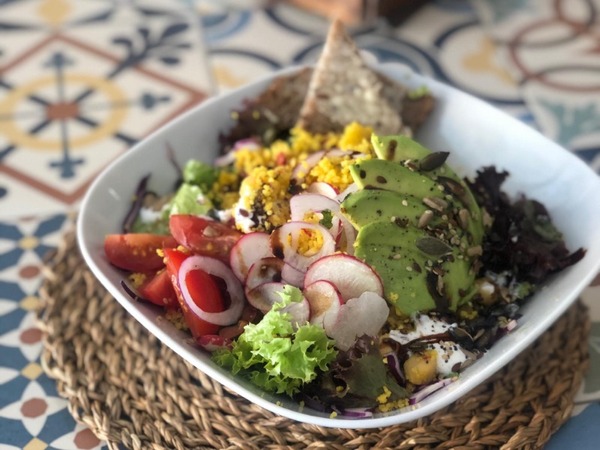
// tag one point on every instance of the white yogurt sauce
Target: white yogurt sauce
(449, 353)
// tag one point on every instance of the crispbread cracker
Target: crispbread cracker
(344, 89)
(274, 111)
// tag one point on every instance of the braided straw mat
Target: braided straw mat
(134, 392)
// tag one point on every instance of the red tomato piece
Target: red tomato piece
(159, 290)
(204, 290)
(136, 252)
(204, 237)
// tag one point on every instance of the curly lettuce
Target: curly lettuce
(277, 355)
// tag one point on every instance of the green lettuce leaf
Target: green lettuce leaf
(199, 174)
(189, 199)
(274, 356)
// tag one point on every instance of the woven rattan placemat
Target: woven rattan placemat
(134, 392)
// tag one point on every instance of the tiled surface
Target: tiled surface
(81, 81)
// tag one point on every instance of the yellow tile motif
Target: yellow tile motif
(32, 371)
(35, 444)
(482, 60)
(30, 303)
(28, 242)
(55, 12)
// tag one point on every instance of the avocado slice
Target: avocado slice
(370, 205)
(398, 148)
(406, 151)
(391, 176)
(419, 272)
(380, 174)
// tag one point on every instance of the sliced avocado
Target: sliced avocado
(410, 261)
(382, 174)
(407, 151)
(398, 148)
(189, 199)
(402, 149)
(370, 205)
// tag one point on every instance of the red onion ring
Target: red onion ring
(428, 390)
(216, 268)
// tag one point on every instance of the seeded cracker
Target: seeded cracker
(274, 111)
(344, 89)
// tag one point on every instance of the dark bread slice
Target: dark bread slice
(287, 101)
(273, 112)
(344, 89)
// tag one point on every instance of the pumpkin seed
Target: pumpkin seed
(433, 246)
(433, 161)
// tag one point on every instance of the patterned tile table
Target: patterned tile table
(81, 81)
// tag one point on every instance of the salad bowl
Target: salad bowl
(475, 134)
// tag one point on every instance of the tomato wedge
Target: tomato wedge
(136, 252)
(204, 236)
(159, 290)
(204, 291)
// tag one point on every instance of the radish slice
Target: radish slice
(292, 276)
(226, 159)
(286, 240)
(346, 192)
(263, 298)
(348, 274)
(263, 271)
(324, 300)
(251, 144)
(347, 235)
(216, 268)
(302, 205)
(304, 167)
(322, 188)
(299, 312)
(247, 143)
(357, 317)
(510, 325)
(249, 249)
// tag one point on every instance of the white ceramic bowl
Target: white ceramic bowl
(475, 133)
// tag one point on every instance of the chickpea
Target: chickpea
(421, 368)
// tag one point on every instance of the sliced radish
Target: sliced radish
(348, 274)
(305, 204)
(357, 317)
(324, 300)
(287, 239)
(263, 271)
(216, 268)
(304, 167)
(322, 188)
(251, 144)
(347, 235)
(292, 276)
(299, 312)
(346, 192)
(250, 248)
(263, 298)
